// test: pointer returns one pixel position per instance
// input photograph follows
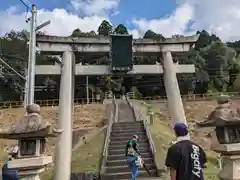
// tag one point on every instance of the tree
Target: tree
(105, 28)
(217, 66)
(14, 51)
(76, 33)
(152, 35)
(177, 36)
(218, 57)
(121, 29)
(204, 39)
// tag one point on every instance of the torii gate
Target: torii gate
(67, 46)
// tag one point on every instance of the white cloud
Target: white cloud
(95, 7)
(135, 33)
(62, 22)
(173, 24)
(216, 16)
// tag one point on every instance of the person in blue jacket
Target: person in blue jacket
(132, 152)
(7, 173)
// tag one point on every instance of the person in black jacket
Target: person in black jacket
(185, 159)
(7, 173)
(132, 153)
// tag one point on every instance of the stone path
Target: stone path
(125, 114)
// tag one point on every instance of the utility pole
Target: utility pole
(32, 57)
(30, 83)
(87, 89)
(26, 89)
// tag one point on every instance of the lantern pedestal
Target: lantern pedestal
(230, 154)
(30, 168)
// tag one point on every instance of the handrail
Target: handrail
(112, 118)
(116, 114)
(137, 118)
(135, 114)
(152, 146)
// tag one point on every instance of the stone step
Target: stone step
(132, 131)
(124, 123)
(122, 151)
(123, 162)
(124, 142)
(149, 178)
(122, 156)
(127, 175)
(118, 169)
(126, 138)
(128, 126)
(121, 146)
(128, 134)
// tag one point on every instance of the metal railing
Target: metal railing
(112, 119)
(152, 145)
(138, 117)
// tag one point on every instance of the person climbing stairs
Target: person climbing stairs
(116, 167)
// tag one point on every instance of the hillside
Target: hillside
(195, 111)
(86, 118)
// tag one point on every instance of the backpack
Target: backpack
(131, 151)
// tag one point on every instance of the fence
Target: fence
(45, 103)
(186, 98)
(189, 97)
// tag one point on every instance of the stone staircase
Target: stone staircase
(115, 165)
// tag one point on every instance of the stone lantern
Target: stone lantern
(31, 132)
(226, 121)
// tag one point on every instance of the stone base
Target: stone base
(31, 174)
(30, 168)
(230, 155)
(30, 163)
(227, 148)
(231, 168)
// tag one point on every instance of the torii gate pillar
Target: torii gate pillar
(174, 100)
(63, 154)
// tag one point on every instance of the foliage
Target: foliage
(121, 29)
(136, 93)
(105, 28)
(217, 67)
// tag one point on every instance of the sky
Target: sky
(168, 17)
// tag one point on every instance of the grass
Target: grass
(88, 157)
(162, 136)
(84, 159)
